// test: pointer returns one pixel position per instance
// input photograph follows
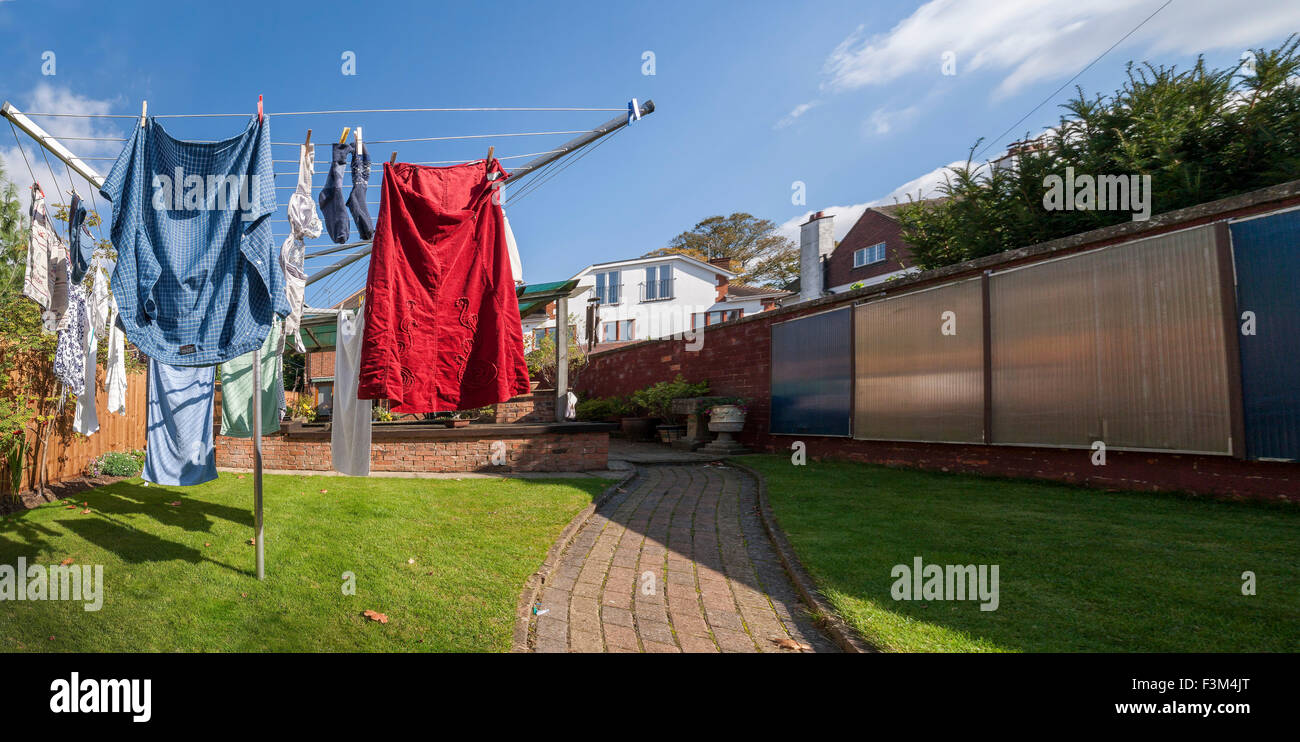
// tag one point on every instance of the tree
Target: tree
(1201, 134)
(760, 254)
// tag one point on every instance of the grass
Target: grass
(180, 577)
(1080, 569)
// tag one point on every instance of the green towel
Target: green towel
(237, 389)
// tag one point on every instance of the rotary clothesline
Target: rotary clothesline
(541, 167)
(526, 179)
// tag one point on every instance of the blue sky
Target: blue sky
(848, 98)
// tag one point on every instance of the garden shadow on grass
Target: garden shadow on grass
(126, 498)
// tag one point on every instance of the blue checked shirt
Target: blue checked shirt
(198, 280)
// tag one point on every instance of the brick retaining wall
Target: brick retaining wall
(528, 448)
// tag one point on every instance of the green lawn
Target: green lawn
(1080, 569)
(180, 577)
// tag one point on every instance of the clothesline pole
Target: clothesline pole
(258, 540)
(56, 148)
(561, 357)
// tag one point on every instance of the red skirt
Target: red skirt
(442, 327)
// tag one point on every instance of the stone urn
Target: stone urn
(725, 419)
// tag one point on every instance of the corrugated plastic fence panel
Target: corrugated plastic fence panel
(1123, 344)
(812, 374)
(915, 383)
(1267, 256)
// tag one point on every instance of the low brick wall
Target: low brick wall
(535, 407)
(424, 448)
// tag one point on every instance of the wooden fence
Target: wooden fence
(69, 453)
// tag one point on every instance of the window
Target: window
(704, 319)
(658, 283)
(545, 332)
(869, 255)
(614, 331)
(324, 398)
(608, 288)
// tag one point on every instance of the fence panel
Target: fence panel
(919, 370)
(812, 374)
(1123, 344)
(1266, 252)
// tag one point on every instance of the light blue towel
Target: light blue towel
(179, 440)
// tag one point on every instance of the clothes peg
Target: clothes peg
(357, 134)
(393, 160)
(259, 109)
(144, 112)
(489, 157)
(344, 138)
(308, 137)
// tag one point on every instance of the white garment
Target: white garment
(571, 406)
(84, 419)
(40, 245)
(103, 317)
(350, 426)
(516, 267)
(304, 223)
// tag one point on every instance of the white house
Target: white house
(646, 298)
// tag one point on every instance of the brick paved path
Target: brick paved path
(676, 562)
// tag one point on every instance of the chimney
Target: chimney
(816, 241)
(723, 263)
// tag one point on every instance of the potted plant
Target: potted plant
(303, 409)
(456, 419)
(634, 422)
(658, 401)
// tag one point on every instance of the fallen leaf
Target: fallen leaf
(375, 616)
(175, 504)
(252, 541)
(205, 543)
(787, 643)
(86, 511)
(410, 561)
(324, 491)
(241, 476)
(51, 638)
(71, 507)
(243, 595)
(66, 562)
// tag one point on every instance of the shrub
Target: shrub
(603, 408)
(116, 464)
(657, 399)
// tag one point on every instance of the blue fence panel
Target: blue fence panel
(812, 374)
(1266, 251)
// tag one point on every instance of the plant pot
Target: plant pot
(456, 423)
(727, 418)
(638, 428)
(670, 433)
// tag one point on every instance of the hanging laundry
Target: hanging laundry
(442, 328)
(197, 280)
(178, 448)
(237, 390)
(80, 251)
(70, 352)
(103, 318)
(40, 251)
(516, 267)
(357, 198)
(333, 207)
(85, 420)
(350, 425)
(56, 317)
(304, 224)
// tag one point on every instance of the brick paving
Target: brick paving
(677, 561)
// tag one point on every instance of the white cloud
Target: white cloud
(51, 99)
(1027, 41)
(884, 120)
(924, 186)
(795, 113)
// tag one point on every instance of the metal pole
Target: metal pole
(50, 143)
(259, 541)
(561, 357)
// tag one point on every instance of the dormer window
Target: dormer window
(868, 255)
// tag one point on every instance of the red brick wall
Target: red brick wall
(870, 229)
(538, 407)
(736, 360)
(559, 452)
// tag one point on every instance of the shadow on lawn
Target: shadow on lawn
(106, 527)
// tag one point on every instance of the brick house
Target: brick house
(873, 251)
